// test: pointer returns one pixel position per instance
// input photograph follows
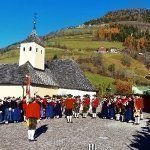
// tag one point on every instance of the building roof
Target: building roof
(58, 73)
(33, 37)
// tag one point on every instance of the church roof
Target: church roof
(33, 37)
(58, 73)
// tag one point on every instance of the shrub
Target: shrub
(123, 87)
(126, 60)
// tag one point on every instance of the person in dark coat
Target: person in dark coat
(49, 109)
(15, 110)
(1, 111)
(112, 109)
(7, 110)
(104, 111)
(58, 109)
(118, 108)
(129, 110)
(43, 109)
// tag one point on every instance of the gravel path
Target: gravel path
(57, 134)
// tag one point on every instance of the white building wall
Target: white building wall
(16, 91)
(42, 91)
(75, 92)
(35, 55)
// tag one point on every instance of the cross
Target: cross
(35, 14)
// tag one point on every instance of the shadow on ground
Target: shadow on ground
(41, 130)
(141, 140)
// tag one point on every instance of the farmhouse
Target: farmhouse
(47, 78)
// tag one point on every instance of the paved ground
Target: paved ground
(56, 134)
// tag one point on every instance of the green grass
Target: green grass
(79, 43)
(10, 57)
(99, 79)
(83, 42)
(136, 66)
(101, 82)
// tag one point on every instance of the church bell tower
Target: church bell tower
(32, 50)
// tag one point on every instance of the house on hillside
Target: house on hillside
(57, 77)
(102, 50)
(112, 50)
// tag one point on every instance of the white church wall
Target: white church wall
(5, 91)
(17, 91)
(75, 92)
(42, 91)
(33, 53)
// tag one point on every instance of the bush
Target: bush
(123, 88)
(55, 57)
(112, 69)
(126, 60)
(97, 60)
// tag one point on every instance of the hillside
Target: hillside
(80, 44)
(139, 15)
(82, 48)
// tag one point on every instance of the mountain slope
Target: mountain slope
(140, 15)
(79, 43)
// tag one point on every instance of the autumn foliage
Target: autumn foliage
(135, 44)
(123, 87)
(107, 32)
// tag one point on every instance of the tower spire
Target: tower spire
(33, 33)
(35, 17)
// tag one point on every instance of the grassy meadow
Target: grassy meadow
(79, 43)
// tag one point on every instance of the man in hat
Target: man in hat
(32, 115)
(69, 103)
(58, 107)
(15, 110)
(138, 106)
(86, 105)
(95, 103)
(123, 108)
(77, 106)
(1, 111)
(7, 110)
(118, 108)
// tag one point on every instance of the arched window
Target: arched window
(30, 49)
(24, 49)
(36, 49)
(41, 51)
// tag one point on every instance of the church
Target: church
(57, 77)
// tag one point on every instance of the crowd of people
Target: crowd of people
(125, 109)
(120, 108)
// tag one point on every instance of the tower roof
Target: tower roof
(33, 37)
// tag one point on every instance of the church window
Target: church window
(24, 49)
(30, 49)
(41, 51)
(36, 49)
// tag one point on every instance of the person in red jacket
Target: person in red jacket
(138, 105)
(86, 105)
(95, 103)
(69, 104)
(32, 115)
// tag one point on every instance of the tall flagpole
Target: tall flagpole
(28, 92)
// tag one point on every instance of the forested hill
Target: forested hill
(140, 15)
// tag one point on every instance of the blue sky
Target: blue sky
(16, 16)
